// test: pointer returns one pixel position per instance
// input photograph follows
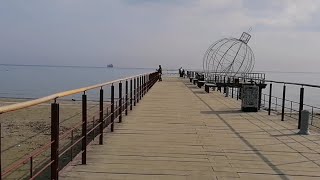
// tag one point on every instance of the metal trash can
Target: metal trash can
(250, 98)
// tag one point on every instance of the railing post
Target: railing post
(135, 92)
(270, 94)
(149, 81)
(120, 102)
(283, 102)
(55, 141)
(112, 108)
(260, 97)
(0, 151)
(142, 86)
(142, 93)
(71, 150)
(31, 166)
(84, 129)
(290, 108)
(126, 103)
(138, 89)
(231, 92)
(107, 120)
(237, 93)
(101, 117)
(311, 116)
(145, 84)
(93, 125)
(130, 94)
(301, 105)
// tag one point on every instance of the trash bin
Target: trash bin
(250, 98)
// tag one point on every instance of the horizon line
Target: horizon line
(71, 66)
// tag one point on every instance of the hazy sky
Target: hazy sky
(145, 33)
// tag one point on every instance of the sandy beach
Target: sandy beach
(26, 130)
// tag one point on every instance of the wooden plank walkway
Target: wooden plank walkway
(179, 132)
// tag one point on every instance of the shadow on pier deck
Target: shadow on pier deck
(179, 132)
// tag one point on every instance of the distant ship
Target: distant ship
(110, 66)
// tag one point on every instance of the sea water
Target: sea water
(39, 81)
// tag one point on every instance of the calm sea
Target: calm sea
(311, 95)
(39, 81)
(35, 82)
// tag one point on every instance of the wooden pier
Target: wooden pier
(179, 131)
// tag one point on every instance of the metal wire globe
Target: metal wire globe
(229, 57)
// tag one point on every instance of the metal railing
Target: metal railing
(287, 107)
(223, 77)
(80, 134)
(284, 106)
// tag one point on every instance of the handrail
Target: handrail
(291, 83)
(13, 107)
(280, 82)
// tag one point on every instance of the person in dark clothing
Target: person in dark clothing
(160, 72)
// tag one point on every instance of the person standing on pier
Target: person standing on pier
(160, 72)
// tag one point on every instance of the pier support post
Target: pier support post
(130, 94)
(270, 94)
(126, 103)
(84, 129)
(112, 108)
(101, 117)
(120, 102)
(283, 102)
(304, 124)
(301, 105)
(55, 140)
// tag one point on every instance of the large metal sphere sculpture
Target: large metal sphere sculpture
(229, 57)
